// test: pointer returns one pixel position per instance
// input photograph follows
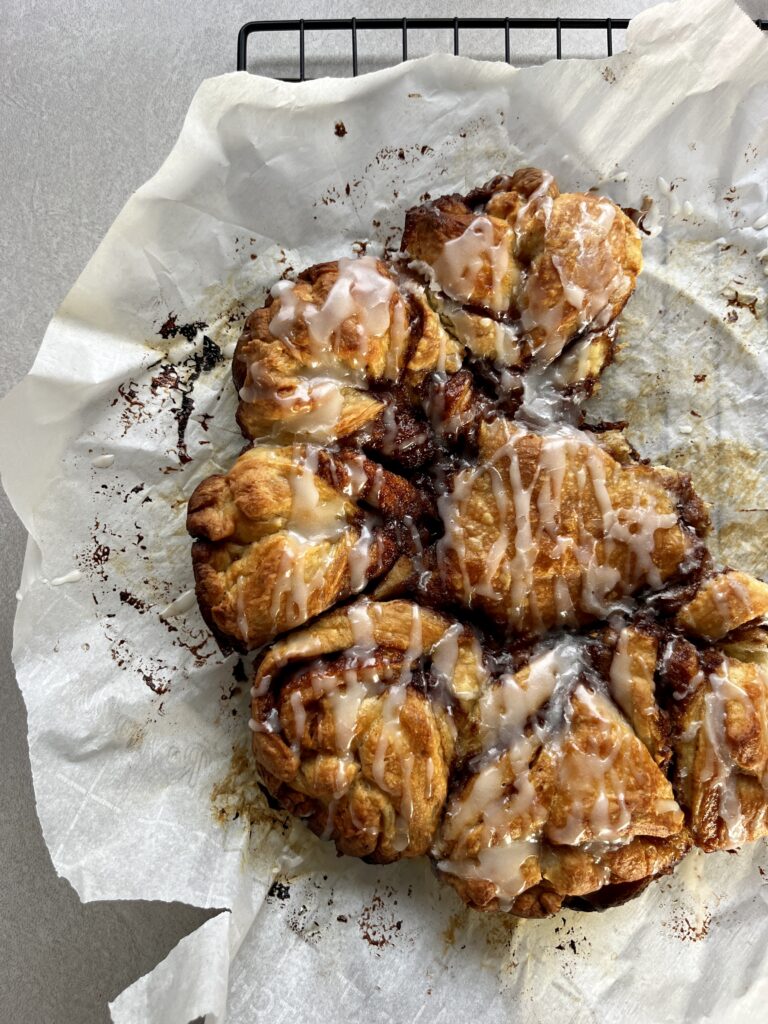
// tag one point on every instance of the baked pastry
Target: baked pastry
(529, 267)
(719, 714)
(515, 655)
(723, 603)
(354, 723)
(319, 360)
(289, 531)
(718, 701)
(560, 799)
(555, 528)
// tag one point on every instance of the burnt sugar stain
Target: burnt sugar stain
(172, 329)
(239, 796)
(689, 927)
(134, 602)
(340, 129)
(456, 923)
(278, 891)
(179, 379)
(304, 926)
(134, 410)
(378, 925)
(741, 302)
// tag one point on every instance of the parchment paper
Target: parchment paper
(137, 724)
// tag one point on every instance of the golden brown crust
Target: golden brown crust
(305, 361)
(549, 265)
(284, 535)
(550, 530)
(724, 602)
(719, 714)
(631, 683)
(360, 741)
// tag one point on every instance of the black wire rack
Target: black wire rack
(511, 27)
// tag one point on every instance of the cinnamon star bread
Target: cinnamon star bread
(488, 632)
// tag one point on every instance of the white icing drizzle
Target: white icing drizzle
(501, 809)
(299, 717)
(511, 545)
(463, 259)
(719, 768)
(445, 654)
(360, 558)
(344, 693)
(182, 604)
(311, 404)
(472, 330)
(402, 835)
(362, 305)
(595, 284)
(621, 673)
(602, 778)
(71, 577)
(315, 521)
(360, 291)
(392, 704)
(269, 725)
(510, 737)
(310, 518)
(726, 589)
(355, 477)
(430, 777)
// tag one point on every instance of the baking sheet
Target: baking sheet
(138, 725)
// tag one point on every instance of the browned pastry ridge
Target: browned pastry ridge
(486, 632)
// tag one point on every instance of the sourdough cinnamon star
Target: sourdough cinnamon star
(487, 631)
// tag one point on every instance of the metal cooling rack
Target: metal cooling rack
(511, 27)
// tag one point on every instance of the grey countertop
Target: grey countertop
(92, 97)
